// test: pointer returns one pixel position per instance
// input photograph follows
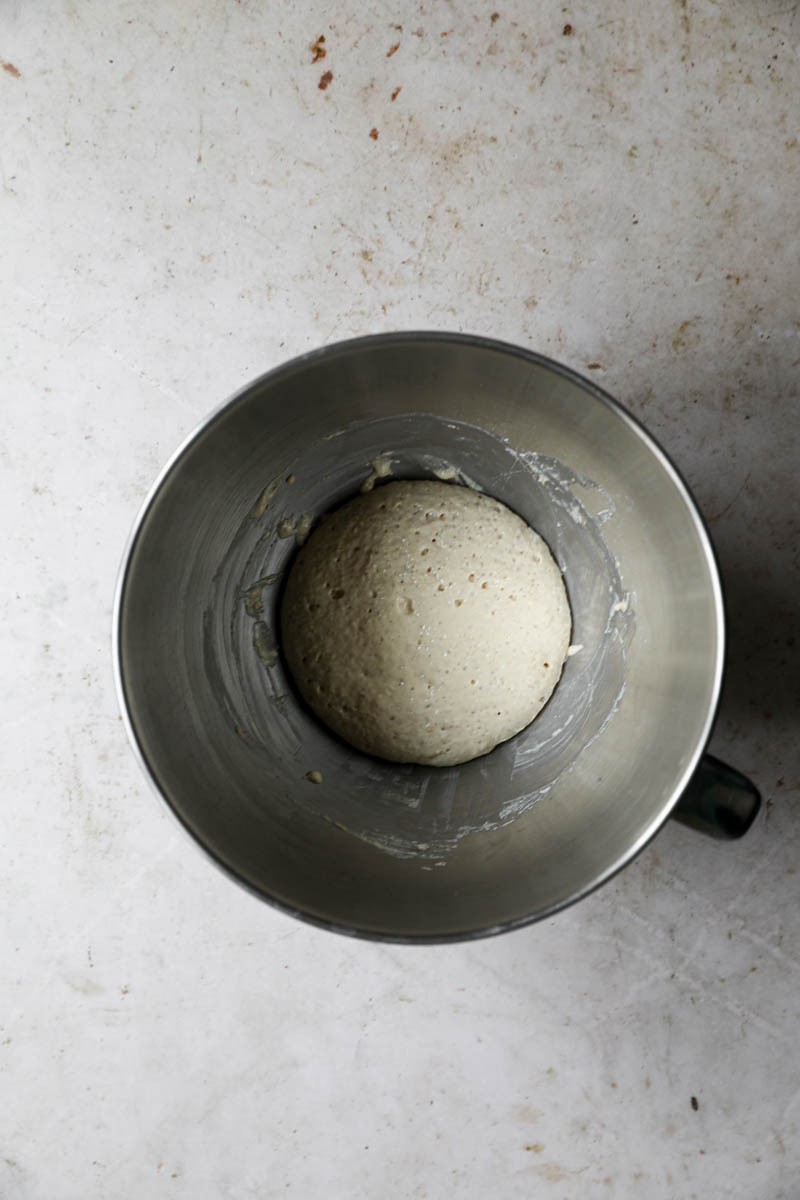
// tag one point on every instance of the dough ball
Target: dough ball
(425, 622)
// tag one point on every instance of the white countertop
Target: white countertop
(184, 206)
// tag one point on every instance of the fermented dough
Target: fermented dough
(425, 622)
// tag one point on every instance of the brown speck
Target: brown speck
(393, 50)
(325, 80)
(679, 341)
(317, 48)
(373, 133)
(530, 302)
(536, 1147)
(495, 17)
(396, 92)
(12, 70)
(595, 366)
(694, 1103)
(567, 31)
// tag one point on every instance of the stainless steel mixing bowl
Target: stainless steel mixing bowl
(406, 852)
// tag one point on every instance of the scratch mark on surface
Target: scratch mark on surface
(718, 516)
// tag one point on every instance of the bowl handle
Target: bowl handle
(718, 801)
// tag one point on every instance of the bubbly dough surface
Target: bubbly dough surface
(425, 622)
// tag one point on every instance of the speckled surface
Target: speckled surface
(184, 205)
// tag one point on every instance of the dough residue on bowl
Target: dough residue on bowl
(425, 622)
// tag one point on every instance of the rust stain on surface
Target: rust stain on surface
(12, 70)
(567, 30)
(396, 93)
(393, 50)
(325, 80)
(553, 1172)
(373, 133)
(682, 338)
(317, 48)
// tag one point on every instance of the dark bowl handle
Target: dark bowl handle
(718, 801)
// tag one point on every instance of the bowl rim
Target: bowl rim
(396, 338)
